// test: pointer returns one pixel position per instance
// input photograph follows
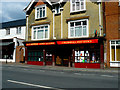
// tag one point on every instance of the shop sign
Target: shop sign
(78, 41)
(44, 43)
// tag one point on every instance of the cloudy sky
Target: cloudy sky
(12, 10)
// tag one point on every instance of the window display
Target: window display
(87, 55)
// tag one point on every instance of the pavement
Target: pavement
(68, 69)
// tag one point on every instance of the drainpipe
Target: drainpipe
(27, 28)
(53, 24)
(100, 16)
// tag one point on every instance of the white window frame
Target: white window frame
(40, 6)
(17, 31)
(74, 29)
(71, 11)
(115, 45)
(44, 32)
(7, 29)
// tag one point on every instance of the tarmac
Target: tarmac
(68, 69)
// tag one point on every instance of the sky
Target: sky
(12, 10)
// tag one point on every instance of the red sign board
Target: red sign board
(44, 43)
(78, 41)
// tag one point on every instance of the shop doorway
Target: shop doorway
(63, 55)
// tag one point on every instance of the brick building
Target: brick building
(112, 30)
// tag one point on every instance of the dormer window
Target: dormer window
(40, 11)
(57, 9)
(77, 5)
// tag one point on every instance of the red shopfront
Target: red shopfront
(73, 53)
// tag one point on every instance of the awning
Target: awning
(6, 43)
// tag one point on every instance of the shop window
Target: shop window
(82, 56)
(77, 5)
(40, 11)
(85, 54)
(78, 28)
(40, 32)
(35, 55)
(113, 53)
(49, 56)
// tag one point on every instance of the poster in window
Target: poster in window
(81, 53)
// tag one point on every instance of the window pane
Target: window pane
(73, 1)
(46, 27)
(118, 53)
(72, 24)
(82, 5)
(73, 7)
(77, 23)
(43, 13)
(84, 31)
(113, 53)
(34, 34)
(40, 34)
(77, 6)
(40, 12)
(71, 32)
(84, 22)
(46, 33)
(78, 31)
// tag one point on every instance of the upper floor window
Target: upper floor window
(77, 5)
(18, 30)
(78, 28)
(57, 9)
(40, 11)
(40, 32)
(8, 31)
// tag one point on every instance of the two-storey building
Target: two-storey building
(65, 33)
(12, 34)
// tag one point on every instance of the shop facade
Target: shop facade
(85, 53)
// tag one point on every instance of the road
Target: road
(27, 77)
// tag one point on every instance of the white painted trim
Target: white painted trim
(8, 60)
(44, 32)
(110, 52)
(61, 25)
(74, 29)
(100, 17)
(115, 52)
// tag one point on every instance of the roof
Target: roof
(50, 2)
(21, 22)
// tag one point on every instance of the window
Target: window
(40, 11)
(40, 32)
(8, 31)
(78, 28)
(57, 9)
(77, 5)
(35, 55)
(18, 30)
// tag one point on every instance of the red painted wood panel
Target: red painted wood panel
(48, 63)
(87, 65)
(35, 63)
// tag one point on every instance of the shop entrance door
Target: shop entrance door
(62, 56)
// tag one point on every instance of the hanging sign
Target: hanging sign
(78, 41)
(44, 43)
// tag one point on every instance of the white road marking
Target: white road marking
(42, 70)
(83, 74)
(34, 85)
(107, 76)
(77, 73)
